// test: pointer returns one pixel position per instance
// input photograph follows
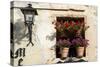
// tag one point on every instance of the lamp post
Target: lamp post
(29, 12)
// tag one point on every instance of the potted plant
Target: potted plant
(64, 47)
(67, 29)
(71, 28)
(80, 44)
(60, 28)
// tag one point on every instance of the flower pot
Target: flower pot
(64, 52)
(80, 51)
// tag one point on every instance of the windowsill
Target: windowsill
(73, 59)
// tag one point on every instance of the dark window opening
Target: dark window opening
(72, 50)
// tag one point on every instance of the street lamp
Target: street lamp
(29, 14)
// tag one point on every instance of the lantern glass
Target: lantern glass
(29, 17)
(29, 13)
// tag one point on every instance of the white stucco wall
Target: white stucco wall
(40, 52)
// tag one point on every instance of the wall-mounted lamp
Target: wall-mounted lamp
(29, 13)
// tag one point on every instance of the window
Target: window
(63, 35)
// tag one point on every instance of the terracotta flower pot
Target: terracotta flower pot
(80, 51)
(64, 52)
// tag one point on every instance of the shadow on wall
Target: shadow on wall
(19, 31)
(51, 37)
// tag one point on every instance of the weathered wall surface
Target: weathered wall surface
(44, 29)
